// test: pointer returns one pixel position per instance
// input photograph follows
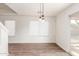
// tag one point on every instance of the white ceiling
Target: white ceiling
(5, 10)
(32, 9)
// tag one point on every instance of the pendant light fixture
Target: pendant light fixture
(42, 16)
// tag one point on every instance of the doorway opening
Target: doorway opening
(75, 34)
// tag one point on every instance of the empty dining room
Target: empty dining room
(38, 29)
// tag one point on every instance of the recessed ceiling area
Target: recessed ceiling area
(33, 9)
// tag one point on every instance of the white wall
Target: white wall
(63, 27)
(22, 29)
(3, 40)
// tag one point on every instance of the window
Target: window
(38, 28)
(43, 28)
(10, 24)
(34, 28)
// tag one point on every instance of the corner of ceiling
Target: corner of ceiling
(64, 9)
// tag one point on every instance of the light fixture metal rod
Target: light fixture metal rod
(42, 11)
(42, 8)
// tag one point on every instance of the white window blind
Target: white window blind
(10, 24)
(38, 28)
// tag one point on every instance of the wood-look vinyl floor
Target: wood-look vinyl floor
(35, 49)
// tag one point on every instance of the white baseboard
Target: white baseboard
(4, 54)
